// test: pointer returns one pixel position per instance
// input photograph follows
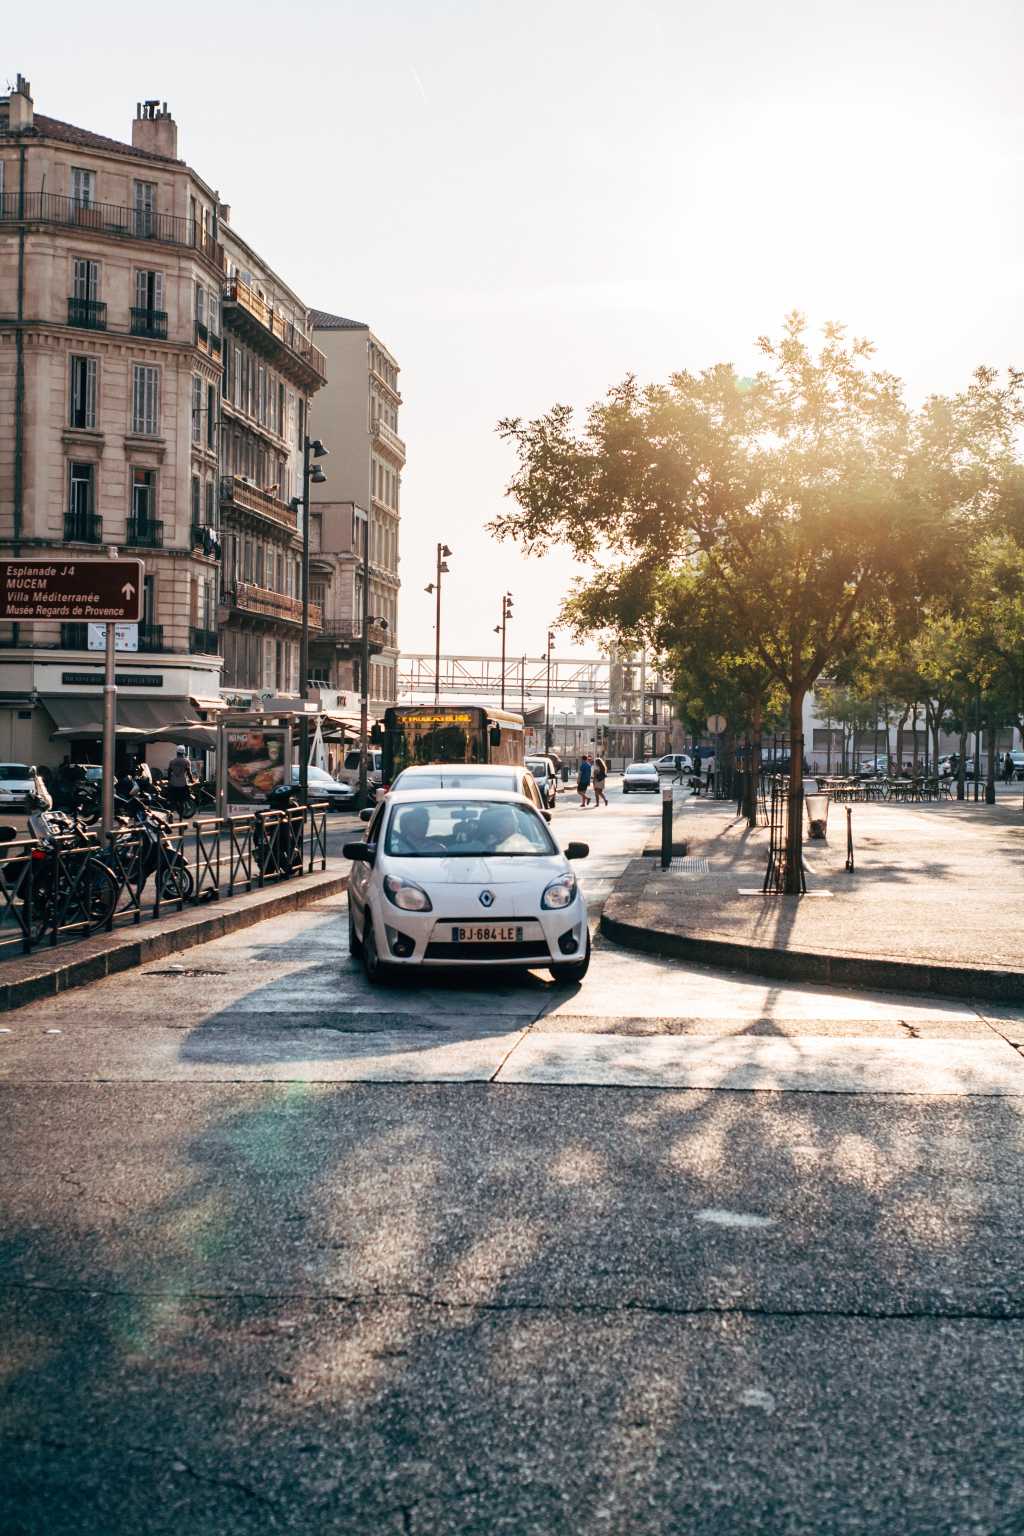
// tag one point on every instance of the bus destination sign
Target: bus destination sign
(100, 591)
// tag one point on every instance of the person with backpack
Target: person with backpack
(598, 777)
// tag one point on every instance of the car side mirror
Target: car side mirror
(360, 853)
(366, 815)
(577, 851)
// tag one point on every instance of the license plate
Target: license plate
(488, 933)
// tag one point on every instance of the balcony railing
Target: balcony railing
(250, 598)
(110, 219)
(202, 332)
(203, 642)
(83, 528)
(289, 335)
(206, 541)
(91, 314)
(389, 438)
(145, 533)
(149, 322)
(237, 493)
(345, 633)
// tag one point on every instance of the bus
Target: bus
(449, 733)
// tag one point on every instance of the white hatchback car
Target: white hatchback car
(465, 877)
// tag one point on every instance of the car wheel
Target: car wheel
(573, 970)
(376, 970)
(355, 946)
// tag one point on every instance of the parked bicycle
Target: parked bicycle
(67, 884)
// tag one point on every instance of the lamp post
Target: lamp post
(443, 552)
(500, 629)
(311, 475)
(548, 743)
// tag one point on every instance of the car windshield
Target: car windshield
(466, 829)
(13, 771)
(456, 778)
(539, 770)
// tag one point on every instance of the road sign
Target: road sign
(716, 724)
(126, 637)
(100, 591)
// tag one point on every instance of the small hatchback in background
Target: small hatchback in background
(17, 785)
(639, 777)
(543, 770)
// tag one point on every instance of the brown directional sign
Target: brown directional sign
(103, 591)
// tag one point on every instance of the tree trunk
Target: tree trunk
(961, 769)
(753, 777)
(795, 830)
(913, 738)
(900, 724)
(990, 776)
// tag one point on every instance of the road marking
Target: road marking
(793, 1063)
(734, 1219)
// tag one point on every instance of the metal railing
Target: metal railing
(250, 598)
(80, 885)
(149, 322)
(110, 219)
(145, 533)
(90, 314)
(83, 528)
(237, 493)
(203, 642)
(389, 437)
(206, 539)
(239, 293)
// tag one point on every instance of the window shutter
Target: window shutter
(141, 289)
(158, 290)
(90, 392)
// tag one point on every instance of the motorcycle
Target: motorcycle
(144, 844)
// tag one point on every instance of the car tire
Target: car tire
(573, 970)
(377, 972)
(355, 945)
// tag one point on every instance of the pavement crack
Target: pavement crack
(628, 1306)
(83, 1192)
(178, 1463)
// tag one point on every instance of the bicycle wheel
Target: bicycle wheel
(98, 896)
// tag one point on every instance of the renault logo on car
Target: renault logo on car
(487, 898)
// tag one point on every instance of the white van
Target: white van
(348, 773)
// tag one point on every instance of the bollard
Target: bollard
(666, 828)
(849, 838)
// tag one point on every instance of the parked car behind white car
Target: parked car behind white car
(640, 776)
(518, 779)
(322, 787)
(465, 877)
(348, 773)
(17, 785)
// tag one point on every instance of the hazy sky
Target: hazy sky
(528, 201)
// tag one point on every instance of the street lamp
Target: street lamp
(311, 475)
(506, 614)
(547, 696)
(443, 552)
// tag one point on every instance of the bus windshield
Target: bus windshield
(448, 733)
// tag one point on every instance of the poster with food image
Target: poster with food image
(256, 762)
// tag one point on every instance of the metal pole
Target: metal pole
(504, 622)
(547, 703)
(364, 668)
(109, 730)
(522, 686)
(977, 741)
(304, 640)
(666, 827)
(437, 635)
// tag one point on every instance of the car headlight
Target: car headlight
(560, 893)
(406, 894)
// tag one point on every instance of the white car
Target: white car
(348, 773)
(674, 762)
(465, 877)
(322, 787)
(640, 776)
(17, 786)
(543, 770)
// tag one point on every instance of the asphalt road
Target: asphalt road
(280, 1253)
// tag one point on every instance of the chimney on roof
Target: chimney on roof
(19, 109)
(154, 129)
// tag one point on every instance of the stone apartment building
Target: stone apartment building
(154, 385)
(356, 416)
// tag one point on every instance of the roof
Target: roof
(53, 128)
(320, 320)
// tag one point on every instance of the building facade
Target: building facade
(154, 388)
(356, 416)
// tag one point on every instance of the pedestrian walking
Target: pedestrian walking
(1007, 768)
(598, 777)
(709, 772)
(180, 781)
(583, 779)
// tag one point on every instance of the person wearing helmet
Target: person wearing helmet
(180, 781)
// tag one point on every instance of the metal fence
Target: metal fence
(83, 884)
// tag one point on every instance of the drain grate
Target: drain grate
(690, 866)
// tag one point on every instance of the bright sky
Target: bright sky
(528, 201)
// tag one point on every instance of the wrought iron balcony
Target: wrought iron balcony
(83, 528)
(149, 322)
(90, 314)
(348, 636)
(145, 533)
(110, 219)
(202, 332)
(250, 598)
(238, 493)
(74, 637)
(206, 541)
(203, 642)
(277, 337)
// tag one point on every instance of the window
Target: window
(83, 187)
(197, 409)
(145, 400)
(197, 506)
(149, 290)
(143, 496)
(213, 311)
(149, 599)
(83, 393)
(81, 499)
(236, 381)
(211, 505)
(211, 416)
(86, 280)
(144, 205)
(200, 304)
(247, 560)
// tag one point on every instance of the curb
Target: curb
(44, 974)
(809, 965)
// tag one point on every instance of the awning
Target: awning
(77, 717)
(208, 706)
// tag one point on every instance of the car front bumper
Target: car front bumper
(549, 938)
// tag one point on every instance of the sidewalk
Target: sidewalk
(934, 903)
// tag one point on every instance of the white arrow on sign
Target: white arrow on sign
(129, 591)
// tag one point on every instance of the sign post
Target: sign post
(94, 592)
